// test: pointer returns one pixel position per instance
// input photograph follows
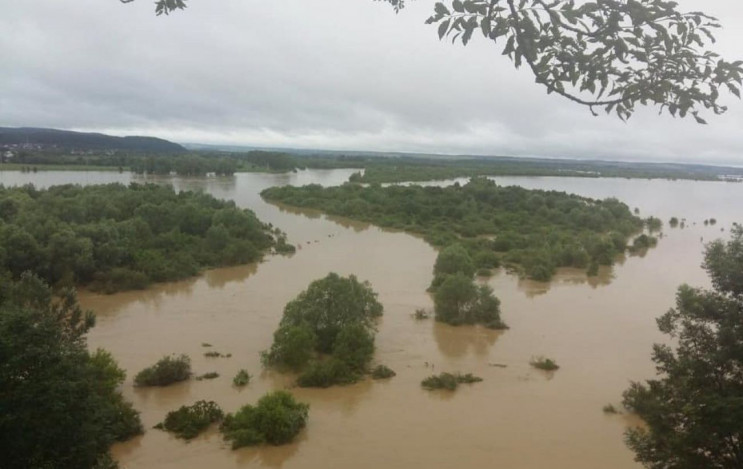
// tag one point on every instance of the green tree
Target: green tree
(354, 346)
(293, 347)
(331, 303)
(459, 301)
(59, 405)
(694, 410)
(454, 259)
(613, 54)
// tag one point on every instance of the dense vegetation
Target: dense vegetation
(60, 405)
(113, 237)
(410, 169)
(167, 370)
(189, 421)
(276, 420)
(327, 332)
(242, 378)
(449, 381)
(693, 410)
(531, 230)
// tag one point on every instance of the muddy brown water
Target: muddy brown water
(600, 331)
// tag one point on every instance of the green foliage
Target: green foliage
(354, 346)
(643, 242)
(334, 316)
(723, 262)
(242, 378)
(454, 259)
(189, 421)
(382, 372)
(448, 381)
(694, 408)
(535, 230)
(459, 301)
(168, 370)
(673, 222)
(113, 237)
(276, 419)
(60, 406)
(611, 55)
(208, 375)
(326, 373)
(331, 303)
(293, 347)
(653, 224)
(542, 363)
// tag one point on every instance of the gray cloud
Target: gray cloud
(336, 74)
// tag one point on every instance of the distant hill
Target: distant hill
(68, 140)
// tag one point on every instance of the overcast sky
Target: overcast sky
(330, 74)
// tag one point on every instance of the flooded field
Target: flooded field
(600, 331)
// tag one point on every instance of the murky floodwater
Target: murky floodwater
(599, 331)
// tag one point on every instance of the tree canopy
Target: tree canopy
(694, 409)
(609, 54)
(113, 237)
(60, 406)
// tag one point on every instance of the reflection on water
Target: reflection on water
(516, 418)
(456, 341)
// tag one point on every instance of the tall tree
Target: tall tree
(59, 405)
(694, 409)
(606, 54)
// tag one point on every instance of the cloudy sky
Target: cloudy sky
(330, 74)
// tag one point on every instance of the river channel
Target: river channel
(600, 331)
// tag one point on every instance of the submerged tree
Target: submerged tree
(607, 54)
(694, 409)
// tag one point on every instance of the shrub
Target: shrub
(242, 378)
(167, 370)
(188, 421)
(276, 419)
(326, 373)
(382, 372)
(542, 363)
(448, 381)
(610, 409)
(210, 375)
(421, 314)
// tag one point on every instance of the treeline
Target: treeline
(113, 237)
(410, 169)
(533, 231)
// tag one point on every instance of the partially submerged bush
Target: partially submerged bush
(276, 419)
(168, 370)
(421, 314)
(542, 363)
(382, 372)
(459, 301)
(188, 421)
(448, 381)
(610, 409)
(242, 378)
(326, 373)
(210, 375)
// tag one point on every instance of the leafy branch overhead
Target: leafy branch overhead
(605, 54)
(611, 54)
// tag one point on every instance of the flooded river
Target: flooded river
(600, 331)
